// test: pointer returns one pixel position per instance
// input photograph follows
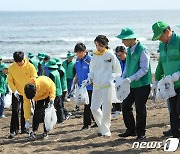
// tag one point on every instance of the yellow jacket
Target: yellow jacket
(19, 76)
(45, 87)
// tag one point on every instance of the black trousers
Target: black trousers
(59, 108)
(117, 106)
(175, 114)
(16, 106)
(39, 113)
(87, 117)
(139, 96)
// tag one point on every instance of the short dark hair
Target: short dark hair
(120, 49)
(79, 47)
(30, 90)
(18, 56)
(47, 58)
(102, 40)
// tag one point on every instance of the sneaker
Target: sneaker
(12, 135)
(116, 114)
(32, 136)
(45, 135)
(77, 108)
(68, 115)
(68, 100)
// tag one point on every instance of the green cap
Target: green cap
(70, 54)
(3, 66)
(58, 62)
(178, 26)
(0, 57)
(41, 55)
(127, 33)
(30, 55)
(158, 29)
(52, 63)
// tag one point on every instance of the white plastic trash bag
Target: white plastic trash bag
(50, 118)
(165, 89)
(122, 88)
(8, 100)
(113, 94)
(81, 96)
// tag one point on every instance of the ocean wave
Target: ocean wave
(59, 41)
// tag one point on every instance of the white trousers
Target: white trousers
(102, 116)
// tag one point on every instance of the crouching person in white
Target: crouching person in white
(102, 66)
(43, 91)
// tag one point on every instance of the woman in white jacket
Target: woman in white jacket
(103, 66)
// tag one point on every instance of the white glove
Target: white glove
(153, 90)
(27, 125)
(86, 82)
(127, 80)
(16, 94)
(0, 94)
(174, 77)
(51, 103)
(71, 91)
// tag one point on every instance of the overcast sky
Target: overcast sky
(61, 5)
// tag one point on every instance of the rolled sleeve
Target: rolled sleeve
(144, 66)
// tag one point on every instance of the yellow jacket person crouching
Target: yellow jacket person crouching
(45, 87)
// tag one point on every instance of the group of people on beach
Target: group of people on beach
(49, 82)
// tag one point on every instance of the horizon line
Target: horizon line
(86, 10)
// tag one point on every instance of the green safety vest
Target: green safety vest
(132, 66)
(69, 68)
(63, 79)
(3, 83)
(170, 57)
(57, 81)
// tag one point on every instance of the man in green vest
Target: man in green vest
(69, 67)
(169, 66)
(3, 87)
(54, 76)
(138, 74)
(62, 74)
(33, 60)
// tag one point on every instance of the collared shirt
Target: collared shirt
(144, 65)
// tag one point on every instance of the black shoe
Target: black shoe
(45, 135)
(68, 115)
(25, 131)
(99, 134)
(168, 133)
(141, 137)
(127, 133)
(32, 136)
(12, 135)
(94, 126)
(85, 128)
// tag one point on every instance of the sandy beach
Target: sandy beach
(67, 137)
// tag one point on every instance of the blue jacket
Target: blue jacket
(122, 63)
(82, 69)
